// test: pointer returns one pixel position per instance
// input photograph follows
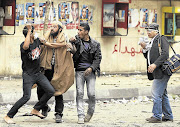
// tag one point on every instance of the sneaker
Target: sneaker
(58, 118)
(80, 120)
(87, 118)
(153, 120)
(45, 112)
(147, 119)
(166, 119)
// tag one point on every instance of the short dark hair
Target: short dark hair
(25, 30)
(29, 6)
(86, 26)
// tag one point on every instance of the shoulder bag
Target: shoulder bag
(172, 64)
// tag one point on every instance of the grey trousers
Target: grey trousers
(90, 83)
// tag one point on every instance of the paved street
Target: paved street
(107, 87)
(112, 113)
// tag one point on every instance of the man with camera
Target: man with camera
(155, 59)
(30, 56)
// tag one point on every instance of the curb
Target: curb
(6, 98)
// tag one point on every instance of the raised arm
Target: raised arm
(28, 38)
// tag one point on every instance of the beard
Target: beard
(54, 34)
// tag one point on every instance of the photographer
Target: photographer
(155, 59)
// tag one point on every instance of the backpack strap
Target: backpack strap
(159, 45)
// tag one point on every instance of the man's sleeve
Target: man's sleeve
(97, 58)
(22, 50)
(145, 55)
(74, 45)
(41, 43)
(164, 53)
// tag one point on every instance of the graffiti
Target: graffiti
(133, 52)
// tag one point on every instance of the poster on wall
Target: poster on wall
(84, 14)
(133, 17)
(152, 16)
(108, 15)
(74, 13)
(40, 13)
(52, 13)
(143, 17)
(19, 14)
(90, 14)
(30, 9)
(64, 12)
(74, 16)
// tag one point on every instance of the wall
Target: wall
(120, 53)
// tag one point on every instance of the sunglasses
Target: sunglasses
(150, 30)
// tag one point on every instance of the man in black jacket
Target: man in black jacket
(155, 59)
(87, 58)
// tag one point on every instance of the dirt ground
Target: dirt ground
(114, 113)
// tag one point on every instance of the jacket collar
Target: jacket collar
(82, 46)
(157, 37)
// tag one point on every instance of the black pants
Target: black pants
(59, 104)
(28, 82)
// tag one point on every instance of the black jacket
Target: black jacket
(95, 54)
(156, 58)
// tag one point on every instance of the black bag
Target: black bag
(172, 64)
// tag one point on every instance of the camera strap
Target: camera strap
(159, 45)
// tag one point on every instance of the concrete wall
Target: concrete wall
(10, 62)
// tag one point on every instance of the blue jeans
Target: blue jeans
(90, 83)
(28, 82)
(161, 103)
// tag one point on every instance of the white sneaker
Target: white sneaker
(80, 120)
(87, 118)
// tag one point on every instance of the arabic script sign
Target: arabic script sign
(132, 51)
